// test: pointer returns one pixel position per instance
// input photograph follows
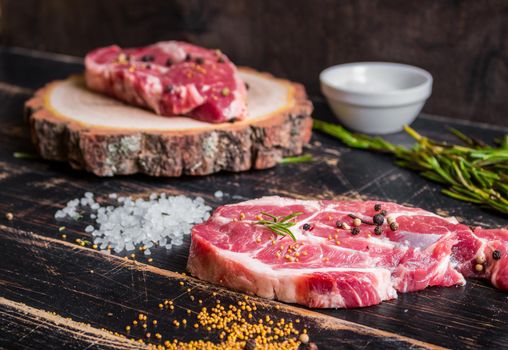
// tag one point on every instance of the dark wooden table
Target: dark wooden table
(57, 294)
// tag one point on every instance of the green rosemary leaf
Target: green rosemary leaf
(25, 155)
(299, 159)
(474, 172)
(269, 215)
(280, 225)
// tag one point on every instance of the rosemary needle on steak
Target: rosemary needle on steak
(474, 172)
(280, 225)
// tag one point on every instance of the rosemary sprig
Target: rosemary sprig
(299, 159)
(280, 225)
(474, 172)
(25, 155)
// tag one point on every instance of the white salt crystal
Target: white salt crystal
(218, 194)
(162, 219)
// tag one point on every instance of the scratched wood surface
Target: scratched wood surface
(45, 280)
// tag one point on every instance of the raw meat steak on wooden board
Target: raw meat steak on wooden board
(346, 253)
(170, 78)
(107, 137)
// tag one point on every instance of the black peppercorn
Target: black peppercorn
(355, 231)
(188, 57)
(169, 88)
(338, 224)
(378, 219)
(169, 62)
(200, 60)
(147, 58)
(378, 230)
(306, 227)
(377, 207)
(247, 86)
(221, 60)
(394, 226)
(496, 255)
(383, 212)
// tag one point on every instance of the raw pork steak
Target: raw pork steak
(171, 78)
(331, 266)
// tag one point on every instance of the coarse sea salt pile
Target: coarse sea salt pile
(161, 219)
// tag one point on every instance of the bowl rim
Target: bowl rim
(420, 88)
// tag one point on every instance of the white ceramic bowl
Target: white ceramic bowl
(376, 97)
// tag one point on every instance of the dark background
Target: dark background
(462, 43)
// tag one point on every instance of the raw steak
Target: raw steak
(171, 78)
(329, 266)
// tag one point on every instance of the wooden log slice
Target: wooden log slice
(106, 137)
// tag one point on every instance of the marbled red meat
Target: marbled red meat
(171, 78)
(329, 266)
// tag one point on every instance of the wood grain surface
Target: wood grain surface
(462, 43)
(45, 279)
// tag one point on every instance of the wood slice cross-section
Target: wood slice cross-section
(106, 137)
